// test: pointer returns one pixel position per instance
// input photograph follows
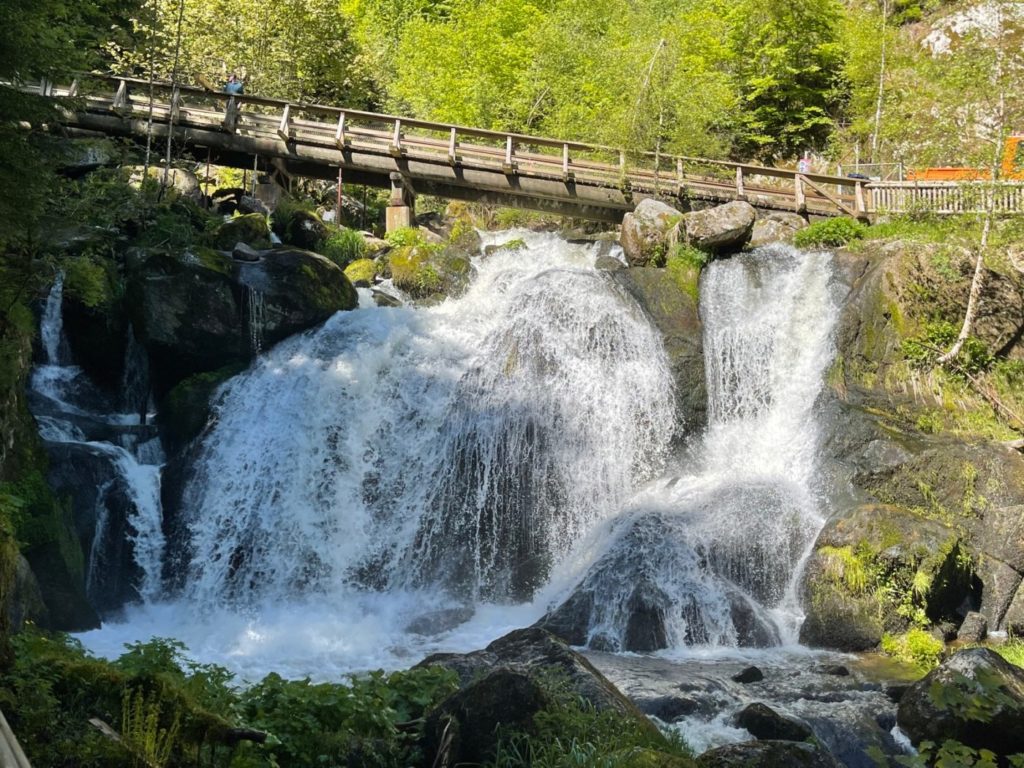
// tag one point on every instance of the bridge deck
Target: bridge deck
(565, 177)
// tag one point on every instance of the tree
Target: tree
(788, 74)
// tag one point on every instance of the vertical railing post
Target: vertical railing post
(740, 192)
(231, 115)
(858, 191)
(798, 193)
(339, 134)
(284, 130)
(175, 104)
(452, 157)
(565, 162)
(121, 96)
(396, 139)
(509, 166)
(73, 90)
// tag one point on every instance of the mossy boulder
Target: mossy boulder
(361, 272)
(95, 323)
(251, 229)
(722, 229)
(299, 227)
(974, 697)
(201, 310)
(882, 568)
(768, 754)
(426, 270)
(185, 411)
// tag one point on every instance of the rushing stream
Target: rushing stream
(406, 480)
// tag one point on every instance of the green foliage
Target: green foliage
(172, 710)
(1012, 650)
(830, 233)
(141, 731)
(361, 272)
(405, 236)
(916, 646)
(936, 338)
(684, 264)
(570, 732)
(344, 246)
(89, 279)
(788, 72)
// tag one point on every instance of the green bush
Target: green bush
(344, 246)
(830, 233)
(939, 335)
(915, 647)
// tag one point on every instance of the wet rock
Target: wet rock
(299, 228)
(532, 652)
(974, 697)
(668, 709)
(25, 601)
(185, 411)
(836, 670)
(361, 272)
(384, 299)
(764, 723)
(243, 252)
(426, 271)
(571, 620)
(645, 230)
(436, 622)
(720, 229)
(645, 627)
(95, 323)
(974, 628)
(896, 691)
(748, 675)
(675, 314)
(250, 204)
(767, 754)
(608, 264)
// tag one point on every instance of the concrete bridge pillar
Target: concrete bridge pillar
(401, 211)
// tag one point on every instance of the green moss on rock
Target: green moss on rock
(361, 272)
(186, 409)
(251, 229)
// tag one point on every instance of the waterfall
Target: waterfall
(709, 554)
(460, 449)
(256, 310)
(90, 437)
(51, 328)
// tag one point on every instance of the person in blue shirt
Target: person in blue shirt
(233, 85)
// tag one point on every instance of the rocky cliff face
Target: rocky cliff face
(929, 485)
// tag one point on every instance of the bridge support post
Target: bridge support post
(401, 210)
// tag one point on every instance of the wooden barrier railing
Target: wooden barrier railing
(510, 153)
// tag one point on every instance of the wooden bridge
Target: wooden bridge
(413, 157)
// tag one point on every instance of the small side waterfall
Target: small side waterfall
(108, 460)
(255, 311)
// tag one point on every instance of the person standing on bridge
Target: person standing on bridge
(234, 86)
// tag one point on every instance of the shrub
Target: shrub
(830, 233)
(684, 264)
(915, 647)
(344, 246)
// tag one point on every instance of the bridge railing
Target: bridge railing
(570, 162)
(947, 197)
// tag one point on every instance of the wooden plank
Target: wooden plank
(284, 130)
(451, 148)
(509, 165)
(829, 197)
(396, 139)
(339, 132)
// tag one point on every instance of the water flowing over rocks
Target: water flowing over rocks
(767, 754)
(975, 697)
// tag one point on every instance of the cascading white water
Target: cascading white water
(459, 448)
(708, 556)
(255, 310)
(399, 461)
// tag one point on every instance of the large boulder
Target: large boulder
(251, 229)
(95, 324)
(765, 724)
(768, 754)
(974, 697)
(775, 227)
(872, 567)
(299, 228)
(429, 270)
(507, 684)
(645, 232)
(201, 310)
(720, 229)
(675, 313)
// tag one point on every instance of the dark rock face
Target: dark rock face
(201, 311)
(251, 229)
(302, 229)
(975, 697)
(435, 622)
(764, 723)
(767, 754)
(645, 628)
(668, 709)
(504, 684)
(676, 316)
(465, 726)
